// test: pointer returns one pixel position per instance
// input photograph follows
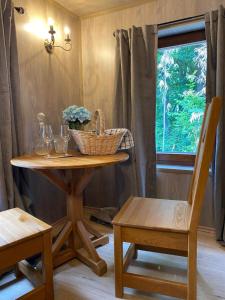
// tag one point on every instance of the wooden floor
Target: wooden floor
(76, 281)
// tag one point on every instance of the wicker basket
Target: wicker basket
(99, 142)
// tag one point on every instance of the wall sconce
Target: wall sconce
(50, 43)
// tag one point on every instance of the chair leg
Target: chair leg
(135, 256)
(118, 255)
(48, 266)
(17, 271)
(192, 267)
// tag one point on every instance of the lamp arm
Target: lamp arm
(57, 46)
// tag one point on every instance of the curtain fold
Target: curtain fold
(215, 86)
(133, 108)
(135, 105)
(9, 93)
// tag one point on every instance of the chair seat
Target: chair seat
(155, 214)
(17, 225)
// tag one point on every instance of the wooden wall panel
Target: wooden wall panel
(98, 46)
(98, 43)
(49, 83)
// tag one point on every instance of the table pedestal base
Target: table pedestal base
(73, 236)
(89, 240)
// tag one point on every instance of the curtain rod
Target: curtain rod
(181, 21)
(19, 9)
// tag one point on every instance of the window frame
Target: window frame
(167, 158)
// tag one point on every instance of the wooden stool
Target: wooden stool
(166, 226)
(22, 236)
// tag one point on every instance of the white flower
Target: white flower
(77, 114)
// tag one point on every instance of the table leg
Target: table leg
(73, 236)
(83, 244)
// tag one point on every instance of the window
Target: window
(180, 104)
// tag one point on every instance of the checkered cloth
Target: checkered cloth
(127, 140)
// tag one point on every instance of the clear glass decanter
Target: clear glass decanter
(40, 145)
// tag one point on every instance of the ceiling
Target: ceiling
(88, 7)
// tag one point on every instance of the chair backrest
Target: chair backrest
(203, 159)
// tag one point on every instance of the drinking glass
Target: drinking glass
(60, 146)
(65, 134)
(47, 135)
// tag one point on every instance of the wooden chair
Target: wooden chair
(166, 226)
(22, 236)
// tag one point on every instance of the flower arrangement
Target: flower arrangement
(77, 117)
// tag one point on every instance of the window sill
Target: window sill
(174, 169)
(177, 169)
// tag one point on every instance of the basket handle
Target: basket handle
(99, 116)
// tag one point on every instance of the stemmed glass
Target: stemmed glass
(65, 134)
(47, 135)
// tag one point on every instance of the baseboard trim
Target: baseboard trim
(205, 229)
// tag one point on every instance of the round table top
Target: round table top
(77, 161)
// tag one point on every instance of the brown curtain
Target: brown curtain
(215, 35)
(9, 92)
(134, 108)
(135, 105)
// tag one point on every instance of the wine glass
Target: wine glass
(47, 135)
(65, 134)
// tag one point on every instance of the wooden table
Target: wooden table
(73, 236)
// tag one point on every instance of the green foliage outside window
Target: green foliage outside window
(180, 103)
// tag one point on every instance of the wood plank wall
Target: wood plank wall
(98, 46)
(49, 83)
(98, 43)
